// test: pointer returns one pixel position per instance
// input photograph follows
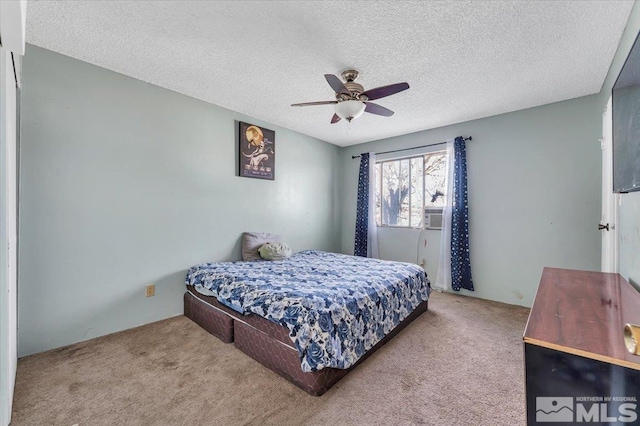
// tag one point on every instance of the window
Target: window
(408, 186)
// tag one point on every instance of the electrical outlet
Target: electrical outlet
(151, 290)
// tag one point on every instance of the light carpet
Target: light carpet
(460, 363)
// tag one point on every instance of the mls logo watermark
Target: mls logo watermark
(597, 409)
(554, 409)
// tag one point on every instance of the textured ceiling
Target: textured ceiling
(462, 59)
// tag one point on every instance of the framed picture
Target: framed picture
(257, 153)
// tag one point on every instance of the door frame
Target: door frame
(610, 201)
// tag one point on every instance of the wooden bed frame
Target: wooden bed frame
(269, 343)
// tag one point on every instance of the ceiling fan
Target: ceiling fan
(352, 100)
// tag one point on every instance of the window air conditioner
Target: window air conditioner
(433, 218)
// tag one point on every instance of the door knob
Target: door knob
(601, 226)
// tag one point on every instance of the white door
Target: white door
(8, 232)
(609, 216)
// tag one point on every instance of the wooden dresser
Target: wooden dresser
(574, 350)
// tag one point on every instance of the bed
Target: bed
(311, 318)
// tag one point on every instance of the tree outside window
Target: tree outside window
(406, 186)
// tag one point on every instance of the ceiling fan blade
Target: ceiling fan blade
(381, 92)
(372, 108)
(337, 85)
(335, 119)
(316, 103)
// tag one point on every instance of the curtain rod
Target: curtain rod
(408, 149)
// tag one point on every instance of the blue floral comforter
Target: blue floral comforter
(335, 306)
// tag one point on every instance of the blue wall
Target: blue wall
(534, 197)
(126, 184)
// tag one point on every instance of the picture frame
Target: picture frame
(257, 151)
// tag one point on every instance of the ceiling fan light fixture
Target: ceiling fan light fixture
(350, 109)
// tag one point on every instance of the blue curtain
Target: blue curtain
(460, 261)
(362, 209)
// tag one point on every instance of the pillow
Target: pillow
(252, 241)
(274, 251)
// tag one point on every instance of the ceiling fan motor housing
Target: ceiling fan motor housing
(356, 89)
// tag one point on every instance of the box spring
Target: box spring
(269, 343)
